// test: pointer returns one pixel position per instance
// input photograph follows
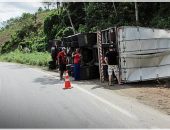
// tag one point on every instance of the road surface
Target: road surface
(32, 98)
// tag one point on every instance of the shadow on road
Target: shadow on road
(144, 84)
(47, 80)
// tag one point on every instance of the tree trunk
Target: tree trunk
(71, 21)
(136, 13)
(115, 9)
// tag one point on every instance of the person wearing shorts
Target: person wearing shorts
(111, 60)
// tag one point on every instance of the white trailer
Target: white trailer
(144, 53)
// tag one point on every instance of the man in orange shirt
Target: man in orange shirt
(76, 57)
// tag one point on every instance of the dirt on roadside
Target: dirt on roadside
(154, 94)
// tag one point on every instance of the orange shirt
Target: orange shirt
(77, 58)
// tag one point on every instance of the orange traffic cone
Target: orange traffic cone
(67, 84)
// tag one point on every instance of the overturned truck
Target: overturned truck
(88, 49)
(144, 53)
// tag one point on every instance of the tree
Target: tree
(75, 13)
(56, 4)
(40, 9)
(47, 5)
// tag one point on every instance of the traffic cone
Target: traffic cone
(67, 84)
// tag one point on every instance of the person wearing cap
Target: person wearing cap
(111, 60)
(62, 61)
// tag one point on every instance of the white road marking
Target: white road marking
(98, 98)
(107, 102)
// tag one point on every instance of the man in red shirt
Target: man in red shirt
(77, 57)
(61, 57)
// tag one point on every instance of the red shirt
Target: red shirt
(61, 57)
(77, 58)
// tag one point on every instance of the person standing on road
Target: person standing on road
(76, 59)
(54, 51)
(62, 61)
(111, 60)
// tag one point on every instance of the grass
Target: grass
(35, 58)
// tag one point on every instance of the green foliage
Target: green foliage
(77, 13)
(67, 31)
(35, 58)
(59, 33)
(33, 31)
(40, 9)
(82, 28)
(6, 47)
(27, 34)
(64, 32)
(97, 14)
(161, 22)
(55, 22)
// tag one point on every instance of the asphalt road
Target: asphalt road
(31, 98)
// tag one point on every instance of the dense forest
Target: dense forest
(35, 30)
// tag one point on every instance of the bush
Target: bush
(161, 22)
(82, 28)
(35, 58)
(68, 31)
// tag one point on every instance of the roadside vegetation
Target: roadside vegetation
(33, 31)
(34, 58)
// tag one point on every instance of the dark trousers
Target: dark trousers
(62, 68)
(53, 58)
(77, 71)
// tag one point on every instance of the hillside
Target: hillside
(4, 36)
(15, 27)
(34, 30)
(6, 33)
